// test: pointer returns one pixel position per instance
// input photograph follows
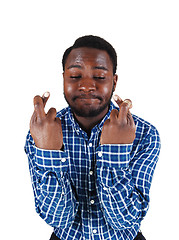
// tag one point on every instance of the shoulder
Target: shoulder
(146, 133)
(144, 126)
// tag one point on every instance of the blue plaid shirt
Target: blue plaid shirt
(93, 191)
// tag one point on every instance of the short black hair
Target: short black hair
(91, 41)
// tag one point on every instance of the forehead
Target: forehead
(89, 56)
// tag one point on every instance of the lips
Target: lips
(87, 97)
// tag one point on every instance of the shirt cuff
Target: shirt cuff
(113, 155)
(51, 159)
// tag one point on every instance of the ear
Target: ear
(115, 78)
(63, 74)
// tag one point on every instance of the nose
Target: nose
(87, 85)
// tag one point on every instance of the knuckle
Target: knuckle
(53, 109)
(122, 122)
(124, 105)
(37, 98)
(106, 122)
(51, 113)
(37, 101)
(114, 113)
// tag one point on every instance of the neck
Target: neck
(88, 123)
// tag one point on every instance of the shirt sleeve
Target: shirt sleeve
(124, 179)
(55, 200)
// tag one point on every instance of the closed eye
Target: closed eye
(76, 77)
(99, 78)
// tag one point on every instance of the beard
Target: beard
(89, 110)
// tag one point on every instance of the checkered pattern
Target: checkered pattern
(89, 191)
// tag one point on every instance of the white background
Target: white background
(33, 37)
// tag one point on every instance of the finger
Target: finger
(124, 110)
(118, 100)
(52, 113)
(39, 107)
(107, 122)
(129, 102)
(130, 119)
(33, 118)
(114, 114)
(57, 119)
(45, 97)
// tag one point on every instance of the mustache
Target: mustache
(87, 96)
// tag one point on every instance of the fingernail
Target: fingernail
(129, 102)
(46, 94)
(115, 97)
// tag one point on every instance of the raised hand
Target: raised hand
(120, 128)
(45, 128)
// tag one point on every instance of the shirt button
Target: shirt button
(90, 144)
(100, 154)
(92, 201)
(63, 159)
(91, 172)
(94, 231)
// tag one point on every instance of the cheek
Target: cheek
(68, 89)
(107, 90)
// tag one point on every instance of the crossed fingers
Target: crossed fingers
(123, 115)
(39, 108)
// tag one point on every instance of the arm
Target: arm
(124, 177)
(123, 182)
(55, 200)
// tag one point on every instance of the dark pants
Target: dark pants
(138, 237)
(54, 237)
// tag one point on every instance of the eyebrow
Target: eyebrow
(80, 67)
(101, 67)
(75, 66)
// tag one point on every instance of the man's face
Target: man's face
(88, 81)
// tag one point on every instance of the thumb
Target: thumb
(45, 97)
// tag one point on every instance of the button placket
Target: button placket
(92, 201)
(100, 154)
(63, 159)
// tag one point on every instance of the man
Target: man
(92, 163)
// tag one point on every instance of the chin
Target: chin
(88, 112)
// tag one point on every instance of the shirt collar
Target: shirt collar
(98, 127)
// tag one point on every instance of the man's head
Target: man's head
(89, 76)
(91, 41)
